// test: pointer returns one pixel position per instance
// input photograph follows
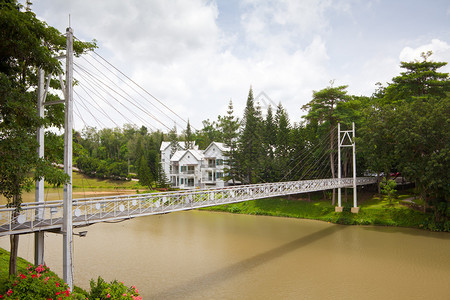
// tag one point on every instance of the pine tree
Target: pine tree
(269, 141)
(283, 132)
(162, 180)
(250, 142)
(188, 137)
(229, 126)
(173, 139)
(322, 111)
(145, 177)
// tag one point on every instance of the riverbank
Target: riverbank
(39, 282)
(373, 211)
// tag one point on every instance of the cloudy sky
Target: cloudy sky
(196, 55)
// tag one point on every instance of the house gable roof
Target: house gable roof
(198, 154)
(220, 146)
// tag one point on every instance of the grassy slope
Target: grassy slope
(373, 211)
(82, 181)
(22, 265)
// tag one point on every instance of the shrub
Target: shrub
(102, 290)
(38, 283)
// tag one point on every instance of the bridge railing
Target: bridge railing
(48, 215)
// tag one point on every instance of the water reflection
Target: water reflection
(205, 255)
(211, 279)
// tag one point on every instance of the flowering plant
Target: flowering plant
(102, 290)
(38, 283)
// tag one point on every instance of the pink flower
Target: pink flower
(40, 269)
(124, 295)
(9, 292)
(57, 283)
(108, 295)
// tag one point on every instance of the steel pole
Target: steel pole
(355, 204)
(39, 192)
(339, 165)
(68, 126)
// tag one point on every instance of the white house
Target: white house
(186, 168)
(166, 151)
(195, 168)
(214, 164)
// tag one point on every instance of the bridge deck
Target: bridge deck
(48, 215)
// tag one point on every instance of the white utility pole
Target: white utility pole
(345, 140)
(67, 205)
(39, 193)
(355, 208)
(339, 169)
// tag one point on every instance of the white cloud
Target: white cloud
(440, 49)
(178, 52)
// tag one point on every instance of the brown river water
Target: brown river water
(210, 255)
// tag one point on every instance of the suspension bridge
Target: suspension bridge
(62, 216)
(48, 216)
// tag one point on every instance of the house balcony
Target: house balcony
(208, 180)
(208, 166)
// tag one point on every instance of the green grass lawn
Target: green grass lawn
(372, 211)
(22, 265)
(82, 181)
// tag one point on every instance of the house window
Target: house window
(183, 168)
(219, 162)
(191, 169)
(181, 180)
(219, 174)
(211, 163)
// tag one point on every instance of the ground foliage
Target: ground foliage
(39, 282)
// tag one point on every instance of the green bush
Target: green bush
(37, 283)
(102, 290)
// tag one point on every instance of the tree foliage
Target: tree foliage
(27, 44)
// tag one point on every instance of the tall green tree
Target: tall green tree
(250, 151)
(283, 139)
(173, 139)
(144, 173)
(412, 133)
(188, 136)
(420, 78)
(268, 173)
(229, 124)
(322, 111)
(26, 45)
(210, 132)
